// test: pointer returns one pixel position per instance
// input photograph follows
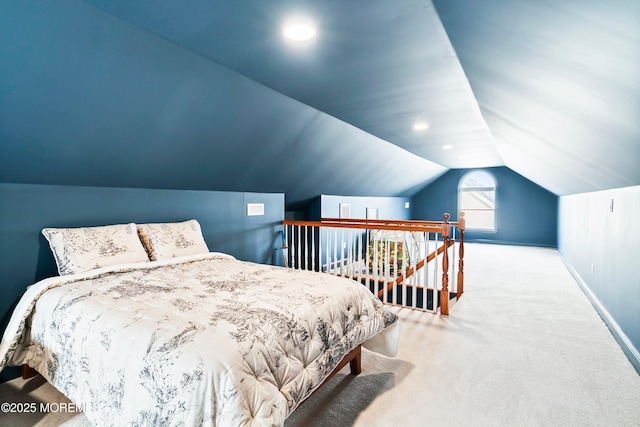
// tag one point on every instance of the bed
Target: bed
(176, 335)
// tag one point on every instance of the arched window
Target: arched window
(477, 198)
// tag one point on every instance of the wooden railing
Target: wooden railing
(396, 260)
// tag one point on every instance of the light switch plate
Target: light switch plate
(255, 209)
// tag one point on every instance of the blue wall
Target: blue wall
(526, 214)
(25, 256)
(328, 206)
(600, 243)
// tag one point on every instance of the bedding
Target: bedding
(198, 340)
(77, 250)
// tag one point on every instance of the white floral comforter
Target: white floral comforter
(200, 340)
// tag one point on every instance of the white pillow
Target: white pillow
(77, 250)
(172, 239)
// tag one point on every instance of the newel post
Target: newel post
(461, 226)
(444, 292)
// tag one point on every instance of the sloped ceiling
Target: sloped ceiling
(558, 83)
(89, 99)
(207, 95)
(378, 65)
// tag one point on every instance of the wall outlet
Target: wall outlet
(406, 205)
(593, 269)
(345, 210)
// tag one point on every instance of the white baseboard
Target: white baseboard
(625, 343)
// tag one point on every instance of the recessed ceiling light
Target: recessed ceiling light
(447, 147)
(299, 31)
(420, 126)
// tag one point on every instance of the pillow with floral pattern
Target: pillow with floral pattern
(77, 250)
(172, 239)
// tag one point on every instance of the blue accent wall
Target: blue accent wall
(598, 239)
(526, 214)
(388, 207)
(25, 256)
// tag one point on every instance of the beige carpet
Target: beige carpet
(523, 347)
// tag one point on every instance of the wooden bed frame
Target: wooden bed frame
(353, 358)
(28, 372)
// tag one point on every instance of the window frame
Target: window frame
(463, 189)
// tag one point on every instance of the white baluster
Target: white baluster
(285, 250)
(453, 282)
(394, 291)
(367, 261)
(359, 255)
(425, 273)
(327, 244)
(374, 268)
(341, 249)
(349, 253)
(305, 254)
(387, 266)
(294, 248)
(413, 254)
(335, 251)
(313, 247)
(300, 248)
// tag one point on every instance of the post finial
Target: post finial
(445, 225)
(461, 221)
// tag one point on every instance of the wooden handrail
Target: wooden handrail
(410, 271)
(432, 227)
(388, 221)
(388, 283)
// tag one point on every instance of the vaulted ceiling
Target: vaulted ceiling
(558, 84)
(206, 94)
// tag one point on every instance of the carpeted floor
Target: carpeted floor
(523, 347)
